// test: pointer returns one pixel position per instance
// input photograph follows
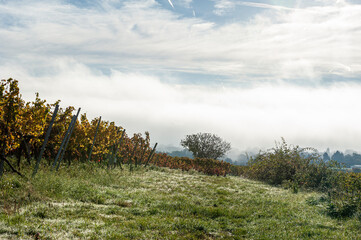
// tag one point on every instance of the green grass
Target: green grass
(88, 202)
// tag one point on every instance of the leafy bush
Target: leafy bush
(295, 166)
(236, 170)
(345, 196)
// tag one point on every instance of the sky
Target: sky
(249, 71)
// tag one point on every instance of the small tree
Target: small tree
(206, 145)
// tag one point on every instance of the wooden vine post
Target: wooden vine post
(68, 138)
(63, 142)
(110, 158)
(45, 140)
(113, 158)
(116, 150)
(151, 154)
(143, 153)
(95, 136)
(133, 153)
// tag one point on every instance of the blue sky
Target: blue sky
(249, 71)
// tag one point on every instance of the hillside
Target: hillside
(89, 202)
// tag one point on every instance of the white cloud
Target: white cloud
(224, 6)
(247, 117)
(304, 44)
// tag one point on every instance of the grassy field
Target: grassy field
(88, 202)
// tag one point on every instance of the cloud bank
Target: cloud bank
(249, 117)
(310, 44)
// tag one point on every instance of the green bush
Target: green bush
(238, 170)
(291, 166)
(345, 196)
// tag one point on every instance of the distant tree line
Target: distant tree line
(347, 160)
(181, 153)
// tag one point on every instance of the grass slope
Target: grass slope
(87, 202)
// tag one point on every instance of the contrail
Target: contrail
(264, 5)
(269, 6)
(170, 2)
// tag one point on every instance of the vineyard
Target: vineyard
(44, 133)
(58, 167)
